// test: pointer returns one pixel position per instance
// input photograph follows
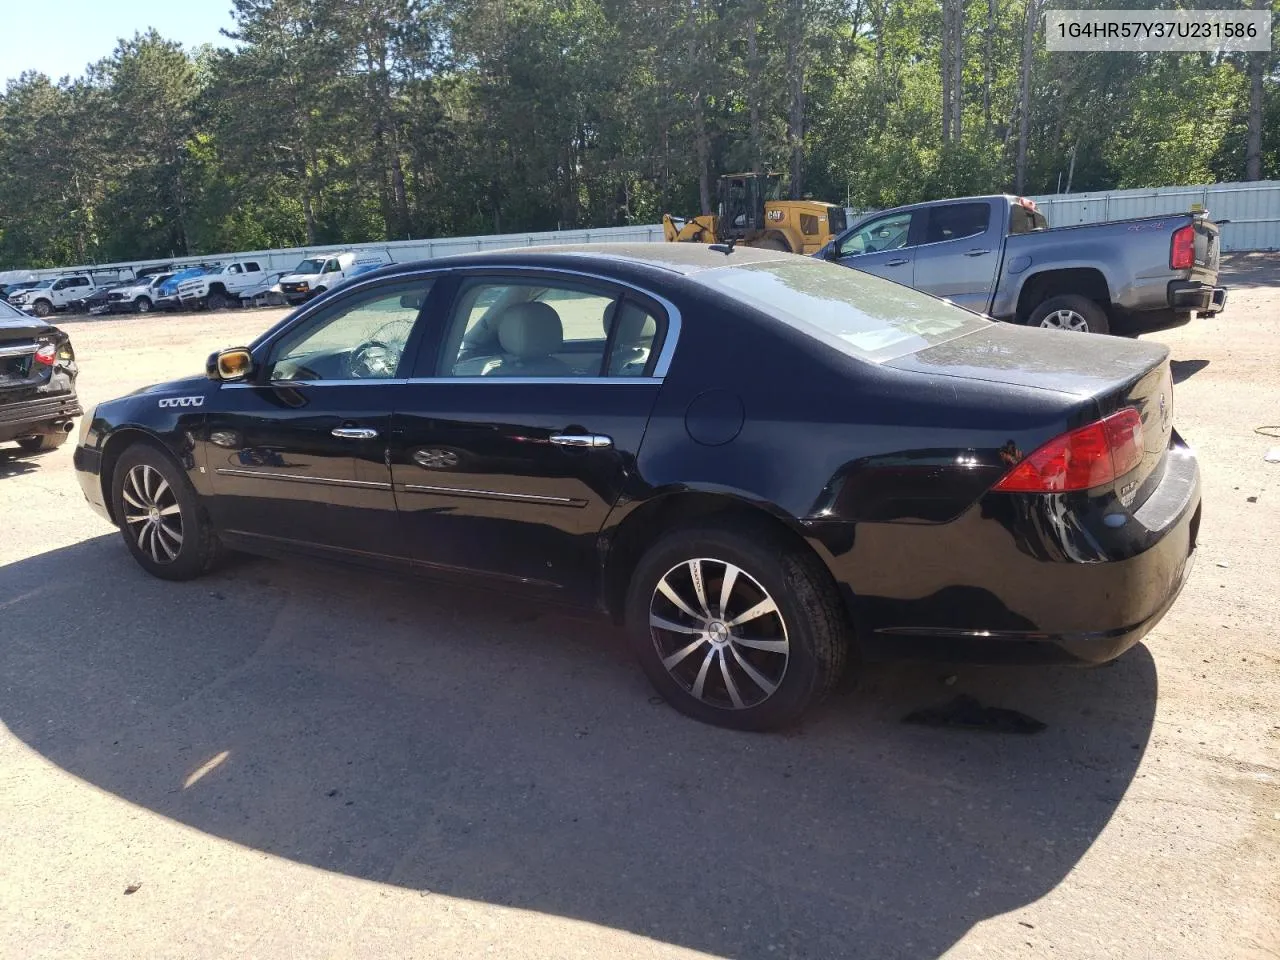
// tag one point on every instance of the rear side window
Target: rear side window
(554, 329)
(956, 221)
(852, 311)
(252, 266)
(1025, 219)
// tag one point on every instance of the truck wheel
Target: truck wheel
(42, 443)
(42, 308)
(142, 305)
(217, 300)
(1070, 312)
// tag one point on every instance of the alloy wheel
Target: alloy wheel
(719, 633)
(152, 513)
(1065, 320)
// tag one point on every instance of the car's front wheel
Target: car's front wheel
(160, 515)
(738, 628)
(142, 305)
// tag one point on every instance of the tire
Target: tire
(318, 290)
(806, 629)
(1070, 312)
(142, 305)
(146, 477)
(42, 443)
(217, 300)
(773, 243)
(42, 308)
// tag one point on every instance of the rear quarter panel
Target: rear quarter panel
(1132, 256)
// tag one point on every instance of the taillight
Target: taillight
(48, 354)
(1182, 254)
(1089, 457)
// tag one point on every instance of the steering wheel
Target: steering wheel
(373, 359)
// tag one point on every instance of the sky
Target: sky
(61, 37)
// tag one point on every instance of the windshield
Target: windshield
(159, 279)
(314, 265)
(43, 285)
(854, 312)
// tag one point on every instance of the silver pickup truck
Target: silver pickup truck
(997, 255)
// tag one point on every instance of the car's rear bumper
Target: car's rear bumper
(88, 464)
(1189, 296)
(1007, 584)
(42, 415)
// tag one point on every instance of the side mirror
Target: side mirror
(411, 301)
(831, 251)
(233, 364)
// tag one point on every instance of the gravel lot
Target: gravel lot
(292, 760)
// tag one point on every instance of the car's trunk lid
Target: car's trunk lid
(20, 337)
(1097, 376)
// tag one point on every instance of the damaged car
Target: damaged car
(38, 401)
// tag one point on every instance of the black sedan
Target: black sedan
(765, 465)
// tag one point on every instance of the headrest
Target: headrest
(635, 325)
(530, 330)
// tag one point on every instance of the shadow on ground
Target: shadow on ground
(1260, 269)
(452, 741)
(14, 463)
(1186, 369)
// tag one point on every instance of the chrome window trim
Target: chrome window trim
(660, 369)
(294, 384)
(597, 381)
(329, 481)
(494, 495)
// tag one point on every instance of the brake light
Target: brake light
(1182, 253)
(48, 354)
(1088, 457)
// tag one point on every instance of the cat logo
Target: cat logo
(776, 215)
(181, 401)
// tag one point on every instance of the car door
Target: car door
(883, 246)
(520, 429)
(960, 252)
(297, 455)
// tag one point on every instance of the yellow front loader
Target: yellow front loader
(750, 212)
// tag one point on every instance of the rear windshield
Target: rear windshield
(857, 313)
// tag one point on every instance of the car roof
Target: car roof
(685, 259)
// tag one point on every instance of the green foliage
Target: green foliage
(348, 120)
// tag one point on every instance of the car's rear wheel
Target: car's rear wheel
(1070, 312)
(773, 243)
(42, 443)
(160, 515)
(736, 627)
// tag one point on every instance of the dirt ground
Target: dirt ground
(288, 760)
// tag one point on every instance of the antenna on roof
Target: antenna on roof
(725, 248)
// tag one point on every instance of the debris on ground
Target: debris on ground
(967, 713)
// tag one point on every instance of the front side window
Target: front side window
(956, 221)
(361, 337)
(535, 328)
(234, 268)
(886, 233)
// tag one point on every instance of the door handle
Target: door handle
(976, 253)
(594, 441)
(354, 433)
(897, 263)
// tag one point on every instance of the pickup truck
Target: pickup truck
(54, 293)
(997, 256)
(137, 297)
(221, 287)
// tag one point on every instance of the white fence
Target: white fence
(1249, 214)
(399, 251)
